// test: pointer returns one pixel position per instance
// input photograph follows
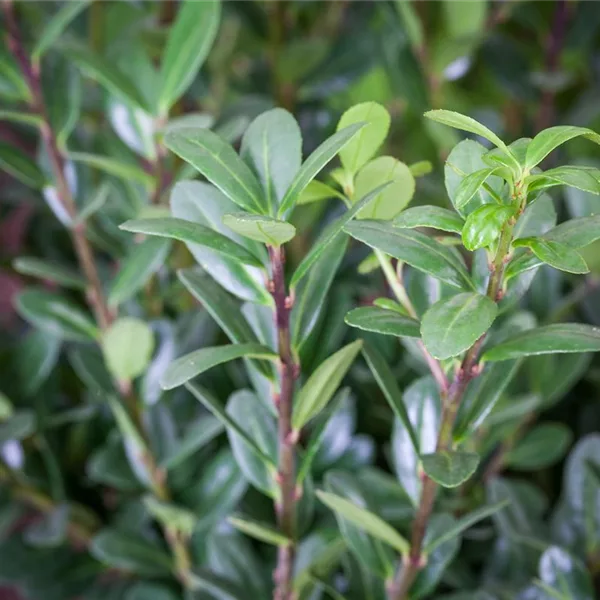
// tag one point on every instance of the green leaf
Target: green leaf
(565, 575)
(582, 178)
(259, 531)
(172, 516)
(430, 216)
(470, 185)
(365, 520)
(16, 163)
(35, 358)
(56, 26)
(414, 248)
(123, 550)
(381, 320)
(484, 225)
(127, 346)
(137, 268)
(387, 382)
(543, 446)
(317, 190)
(17, 427)
(576, 233)
(314, 163)
(113, 166)
(56, 315)
(25, 118)
(560, 256)
(548, 339)
(150, 591)
(322, 384)
(6, 408)
(272, 148)
(262, 229)
(549, 139)
(106, 74)
(391, 200)
(219, 587)
(219, 163)
(49, 271)
(330, 234)
(464, 523)
(450, 469)
(217, 409)
(390, 304)
(190, 39)
(464, 123)
(51, 530)
(193, 233)
(364, 146)
(193, 364)
(454, 324)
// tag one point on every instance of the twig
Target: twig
(286, 503)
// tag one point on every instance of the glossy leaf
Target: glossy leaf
(366, 143)
(414, 248)
(586, 179)
(314, 163)
(186, 231)
(262, 229)
(366, 520)
(272, 147)
(450, 469)
(548, 339)
(453, 325)
(549, 139)
(470, 185)
(484, 225)
(188, 44)
(56, 315)
(260, 531)
(219, 163)
(193, 364)
(380, 320)
(560, 256)
(322, 384)
(430, 216)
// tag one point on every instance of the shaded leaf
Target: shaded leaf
(450, 469)
(380, 320)
(262, 229)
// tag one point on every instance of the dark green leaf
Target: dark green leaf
(17, 427)
(380, 320)
(49, 271)
(560, 256)
(582, 178)
(112, 166)
(540, 448)
(576, 233)
(218, 586)
(450, 469)
(15, 162)
(414, 248)
(484, 225)
(430, 216)
(453, 325)
(548, 339)
(470, 185)
(260, 531)
(565, 575)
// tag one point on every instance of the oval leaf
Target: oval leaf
(484, 225)
(450, 469)
(430, 216)
(262, 229)
(557, 255)
(549, 139)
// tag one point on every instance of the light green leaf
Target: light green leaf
(172, 516)
(219, 163)
(560, 256)
(193, 364)
(106, 74)
(113, 166)
(548, 339)
(262, 229)
(314, 163)
(464, 523)
(366, 143)
(141, 263)
(259, 531)
(430, 216)
(330, 234)
(387, 382)
(317, 190)
(193, 233)
(6, 408)
(56, 315)
(127, 346)
(56, 26)
(549, 139)
(391, 200)
(381, 320)
(582, 178)
(365, 520)
(484, 225)
(190, 39)
(49, 271)
(16, 163)
(454, 324)
(413, 248)
(322, 384)
(272, 148)
(450, 469)
(464, 123)
(25, 118)
(470, 185)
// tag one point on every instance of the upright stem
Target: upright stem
(286, 503)
(451, 400)
(85, 256)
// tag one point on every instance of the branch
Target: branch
(286, 503)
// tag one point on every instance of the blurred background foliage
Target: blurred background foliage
(516, 66)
